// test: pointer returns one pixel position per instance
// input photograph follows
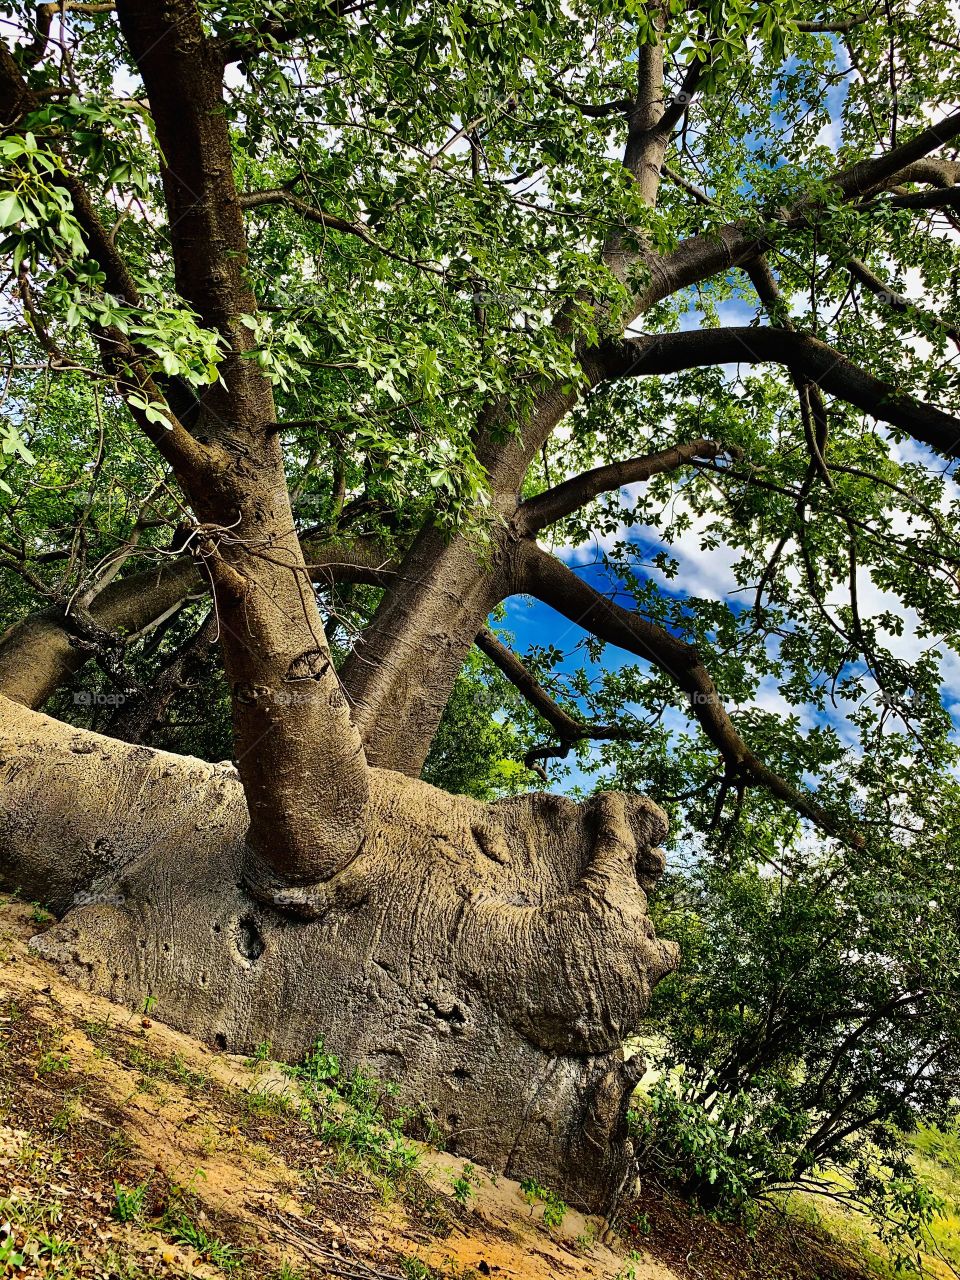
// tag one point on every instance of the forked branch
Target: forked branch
(822, 364)
(569, 730)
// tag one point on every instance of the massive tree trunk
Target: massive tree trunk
(491, 960)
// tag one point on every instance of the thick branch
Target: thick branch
(816, 360)
(564, 725)
(571, 495)
(32, 53)
(936, 199)
(897, 301)
(37, 656)
(543, 576)
(277, 195)
(293, 730)
(172, 440)
(732, 245)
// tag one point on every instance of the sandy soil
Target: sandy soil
(93, 1098)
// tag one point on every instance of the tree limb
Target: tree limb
(37, 656)
(897, 301)
(546, 508)
(120, 357)
(701, 256)
(569, 730)
(30, 54)
(543, 576)
(278, 195)
(816, 360)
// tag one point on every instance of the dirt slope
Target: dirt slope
(106, 1114)
(129, 1151)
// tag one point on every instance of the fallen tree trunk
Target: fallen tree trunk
(490, 960)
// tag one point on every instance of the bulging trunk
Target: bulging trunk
(488, 959)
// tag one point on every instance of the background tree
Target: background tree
(341, 313)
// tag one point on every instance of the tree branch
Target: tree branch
(833, 28)
(937, 199)
(722, 248)
(546, 508)
(569, 731)
(278, 195)
(675, 108)
(816, 360)
(173, 442)
(897, 301)
(273, 32)
(37, 656)
(30, 54)
(543, 576)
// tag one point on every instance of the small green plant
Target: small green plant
(10, 1256)
(40, 915)
(128, 1202)
(96, 1031)
(414, 1268)
(148, 1006)
(587, 1238)
(52, 1246)
(286, 1271)
(318, 1067)
(51, 1062)
(346, 1112)
(261, 1056)
(67, 1115)
(464, 1183)
(118, 1267)
(29, 1213)
(173, 1069)
(182, 1228)
(180, 1222)
(117, 1149)
(268, 1102)
(629, 1271)
(554, 1209)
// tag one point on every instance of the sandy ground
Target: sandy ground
(94, 1098)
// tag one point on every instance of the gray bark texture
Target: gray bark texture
(490, 959)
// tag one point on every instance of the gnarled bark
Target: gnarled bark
(489, 959)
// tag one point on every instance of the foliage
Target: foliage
(814, 1022)
(462, 166)
(463, 1184)
(477, 750)
(383, 349)
(347, 1111)
(184, 1229)
(129, 1201)
(554, 1209)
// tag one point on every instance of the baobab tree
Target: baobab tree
(377, 298)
